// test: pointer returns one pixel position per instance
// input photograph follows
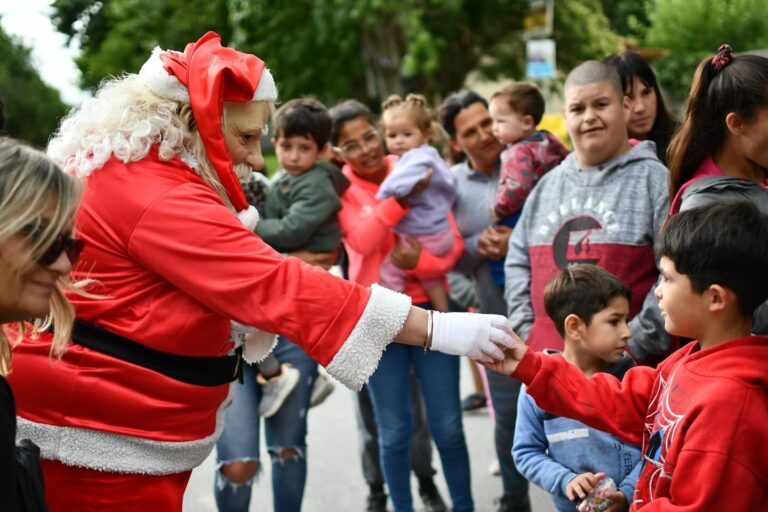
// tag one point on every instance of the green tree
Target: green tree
(32, 108)
(629, 18)
(334, 49)
(582, 32)
(118, 35)
(693, 29)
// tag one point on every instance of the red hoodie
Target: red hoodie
(702, 418)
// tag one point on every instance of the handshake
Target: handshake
(488, 339)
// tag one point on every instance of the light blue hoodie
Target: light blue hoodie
(551, 450)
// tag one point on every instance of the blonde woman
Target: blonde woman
(140, 394)
(37, 210)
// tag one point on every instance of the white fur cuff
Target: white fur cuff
(258, 346)
(382, 319)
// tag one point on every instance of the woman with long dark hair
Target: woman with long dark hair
(649, 119)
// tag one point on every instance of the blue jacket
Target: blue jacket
(551, 450)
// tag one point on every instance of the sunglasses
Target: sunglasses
(61, 244)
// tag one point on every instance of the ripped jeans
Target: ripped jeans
(287, 429)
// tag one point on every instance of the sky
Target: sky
(30, 21)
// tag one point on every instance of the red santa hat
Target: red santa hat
(206, 75)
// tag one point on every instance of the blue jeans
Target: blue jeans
(390, 388)
(286, 429)
(504, 393)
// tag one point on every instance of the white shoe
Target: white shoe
(321, 390)
(275, 390)
(494, 469)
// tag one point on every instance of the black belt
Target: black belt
(201, 371)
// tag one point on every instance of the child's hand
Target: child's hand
(579, 487)
(494, 242)
(406, 253)
(619, 502)
(492, 213)
(319, 259)
(512, 356)
(417, 188)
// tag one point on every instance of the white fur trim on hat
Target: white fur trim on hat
(162, 83)
(266, 90)
(249, 217)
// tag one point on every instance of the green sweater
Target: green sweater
(300, 211)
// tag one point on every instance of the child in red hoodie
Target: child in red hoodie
(702, 415)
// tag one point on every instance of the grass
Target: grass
(270, 163)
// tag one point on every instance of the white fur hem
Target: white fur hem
(115, 453)
(382, 319)
(162, 83)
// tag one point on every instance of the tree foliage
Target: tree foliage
(693, 29)
(335, 49)
(629, 18)
(32, 107)
(582, 32)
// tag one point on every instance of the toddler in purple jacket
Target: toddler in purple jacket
(407, 128)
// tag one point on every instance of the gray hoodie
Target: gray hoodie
(609, 215)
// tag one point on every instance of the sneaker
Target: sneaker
(376, 502)
(275, 390)
(321, 390)
(494, 469)
(509, 503)
(473, 402)
(431, 499)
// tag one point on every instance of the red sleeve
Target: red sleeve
(602, 401)
(430, 265)
(195, 243)
(518, 176)
(366, 234)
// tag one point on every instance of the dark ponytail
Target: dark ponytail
(722, 84)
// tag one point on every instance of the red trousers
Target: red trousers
(69, 488)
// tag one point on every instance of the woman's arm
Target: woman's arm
(365, 234)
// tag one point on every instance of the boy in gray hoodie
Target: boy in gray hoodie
(604, 204)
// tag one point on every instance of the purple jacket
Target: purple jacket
(429, 210)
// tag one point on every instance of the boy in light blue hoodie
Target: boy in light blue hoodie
(589, 307)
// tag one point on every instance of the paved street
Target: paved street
(335, 481)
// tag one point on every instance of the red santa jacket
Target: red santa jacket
(702, 418)
(173, 266)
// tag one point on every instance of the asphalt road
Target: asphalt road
(335, 481)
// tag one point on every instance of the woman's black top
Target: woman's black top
(7, 448)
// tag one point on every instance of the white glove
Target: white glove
(471, 334)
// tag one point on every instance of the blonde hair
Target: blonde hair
(414, 105)
(125, 119)
(31, 184)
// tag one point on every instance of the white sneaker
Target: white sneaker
(321, 390)
(274, 391)
(494, 469)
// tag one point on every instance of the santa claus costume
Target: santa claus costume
(122, 421)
